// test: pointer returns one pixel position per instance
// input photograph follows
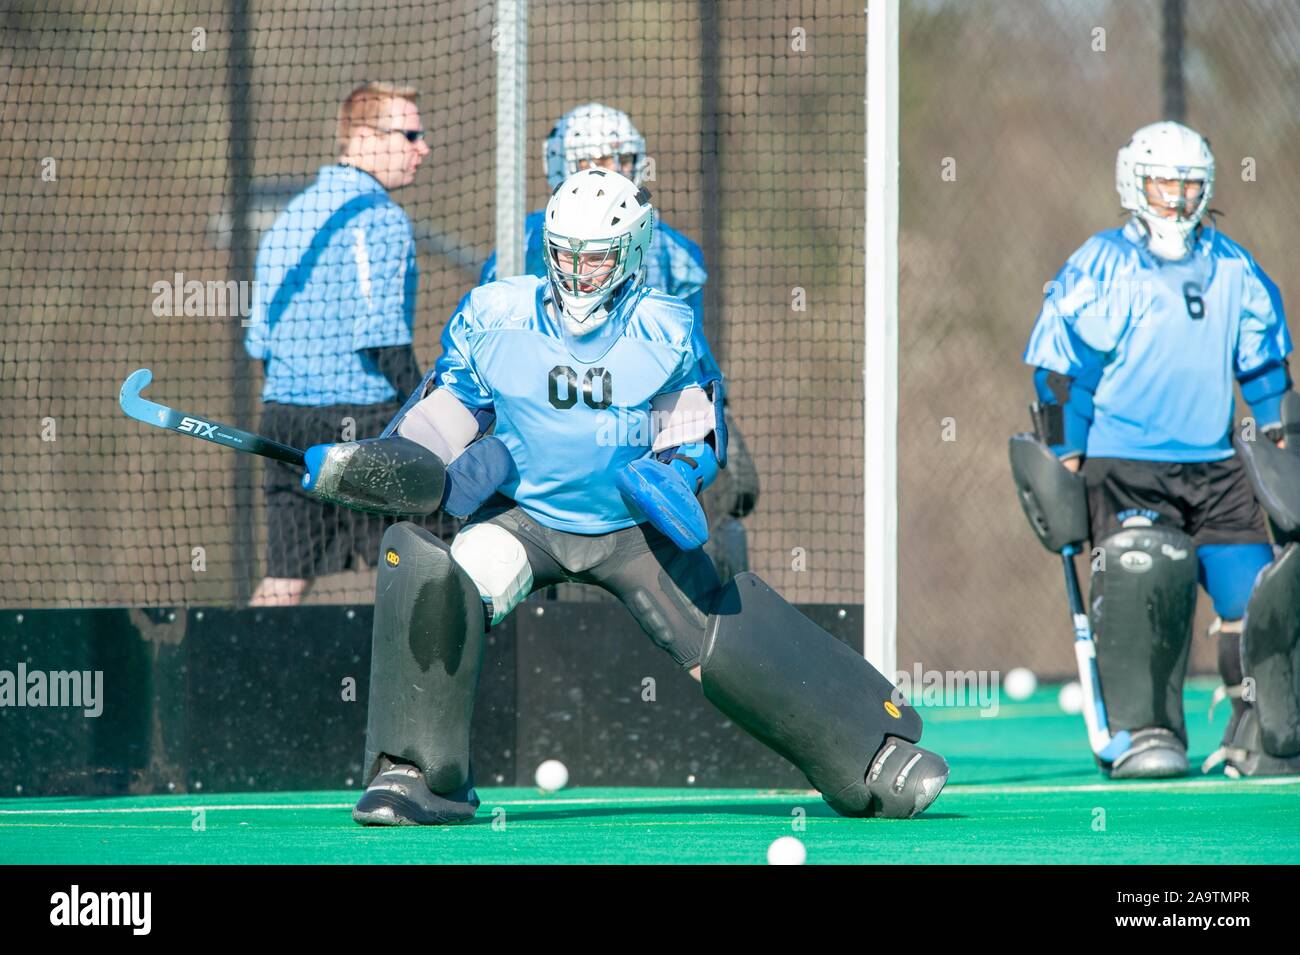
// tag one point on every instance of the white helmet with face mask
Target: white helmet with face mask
(1166, 151)
(596, 234)
(589, 133)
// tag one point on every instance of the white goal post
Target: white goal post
(880, 364)
(510, 41)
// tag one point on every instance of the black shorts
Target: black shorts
(307, 538)
(1211, 501)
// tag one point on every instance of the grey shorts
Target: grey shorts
(669, 591)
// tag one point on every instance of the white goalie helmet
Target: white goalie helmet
(596, 233)
(590, 132)
(1166, 151)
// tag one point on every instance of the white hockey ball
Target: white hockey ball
(1020, 683)
(551, 776)
(1071, 697)
(786, 851)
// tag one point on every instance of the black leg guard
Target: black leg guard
(427, 653)
(1270, 653)
(800, 691)
(1230, 671)
(1143, 602)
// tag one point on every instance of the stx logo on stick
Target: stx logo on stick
(196, 427)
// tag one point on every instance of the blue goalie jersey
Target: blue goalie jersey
(1159, 344)
(570, 425)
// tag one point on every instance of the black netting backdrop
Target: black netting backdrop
(144, 150)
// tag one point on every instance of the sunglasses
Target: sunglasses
(412, 135)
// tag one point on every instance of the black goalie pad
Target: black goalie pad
(1053, 498)
(1270, 652)
(1275, 476)
(794, 687)
(1143, 603)
(425, 662)
(1291, 421)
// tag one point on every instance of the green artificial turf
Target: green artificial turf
(1023, 789)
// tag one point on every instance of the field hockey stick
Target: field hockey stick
(1103, 745)
(160, 416)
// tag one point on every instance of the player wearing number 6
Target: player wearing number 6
(607, 409)
(1136, 348)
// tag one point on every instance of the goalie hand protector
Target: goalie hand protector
(396, 476)
(392, 476)
(665, 492)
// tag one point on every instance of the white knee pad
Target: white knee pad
(498, 565)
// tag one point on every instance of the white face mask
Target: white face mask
(589, 317)
(588, 341)
(1168, 238)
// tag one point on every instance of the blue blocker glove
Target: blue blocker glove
(665, 491)
(474, 476)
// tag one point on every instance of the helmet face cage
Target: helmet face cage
(589, 145)
(1144, 172)
(613, 257)
(589, 133)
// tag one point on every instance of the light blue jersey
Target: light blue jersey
(335, 274)
(1159, 343)
(569, 425)
(674, 264)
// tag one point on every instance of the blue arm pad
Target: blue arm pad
(1263, 389)
(1075, 402)
(696, 463)
(474, 476)
(666, 496)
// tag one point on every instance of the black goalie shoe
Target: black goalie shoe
(399, 796)
(1153, 753)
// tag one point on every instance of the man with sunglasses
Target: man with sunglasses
(605, 406)
(1137, 347)
(334, 310)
